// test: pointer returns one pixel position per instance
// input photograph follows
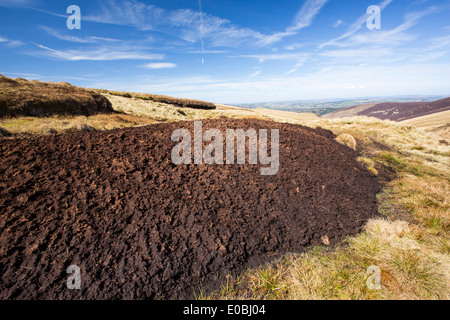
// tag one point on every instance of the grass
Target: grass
(20, 97)
(129, 112)
(185, 103)
(160, 111)
(347, 140)
(61, 124)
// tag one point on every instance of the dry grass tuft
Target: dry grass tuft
(347, 139)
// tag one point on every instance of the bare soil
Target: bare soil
(140, 227)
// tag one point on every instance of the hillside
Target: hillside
(300, 116)
(151, 229)
(431, 120)
(393, 111)
(179, 102)
(34, 107)
(21, 97)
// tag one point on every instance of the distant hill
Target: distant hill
(324, 106)
(394, 111)
(430, 120)
(21, 97)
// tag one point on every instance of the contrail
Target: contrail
(201, 30)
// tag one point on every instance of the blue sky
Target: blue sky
(231, 51)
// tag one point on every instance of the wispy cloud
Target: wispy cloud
(278, 56)
(256, 73)
(10, 43)
(198, 26)
(160, 65)
(435, 48)
(16, 3)
(295, 68)
(304, 18)
(393, 37)
(186, 24)
(306, 15)
(104, 53)
(19, 74)
(338, 23)
(128, 13)
(71, 38)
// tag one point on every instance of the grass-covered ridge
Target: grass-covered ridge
(21, 97)
(180, 102)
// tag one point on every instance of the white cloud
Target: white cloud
(306, 15)
(195, 26)
(278, 56)
(294, 69)
(428, 56)
(99, 54)
(208, 51)
(15, 43)
(18, 74)
(11, 43)
(160, 65)
(16, 3)
(338, 23)
(67, 37)
(129, 13)
(382, 46)
(256, 73)
(304, 18)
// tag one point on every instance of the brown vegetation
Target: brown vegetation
(180, 102)
(21, 97)
(393, 111)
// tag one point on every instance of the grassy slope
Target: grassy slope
(429, 121)
(286, 114)
(131, 112)
(21, 97)
(348, 112)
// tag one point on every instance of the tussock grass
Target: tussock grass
(347, 140)
(61, 124)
